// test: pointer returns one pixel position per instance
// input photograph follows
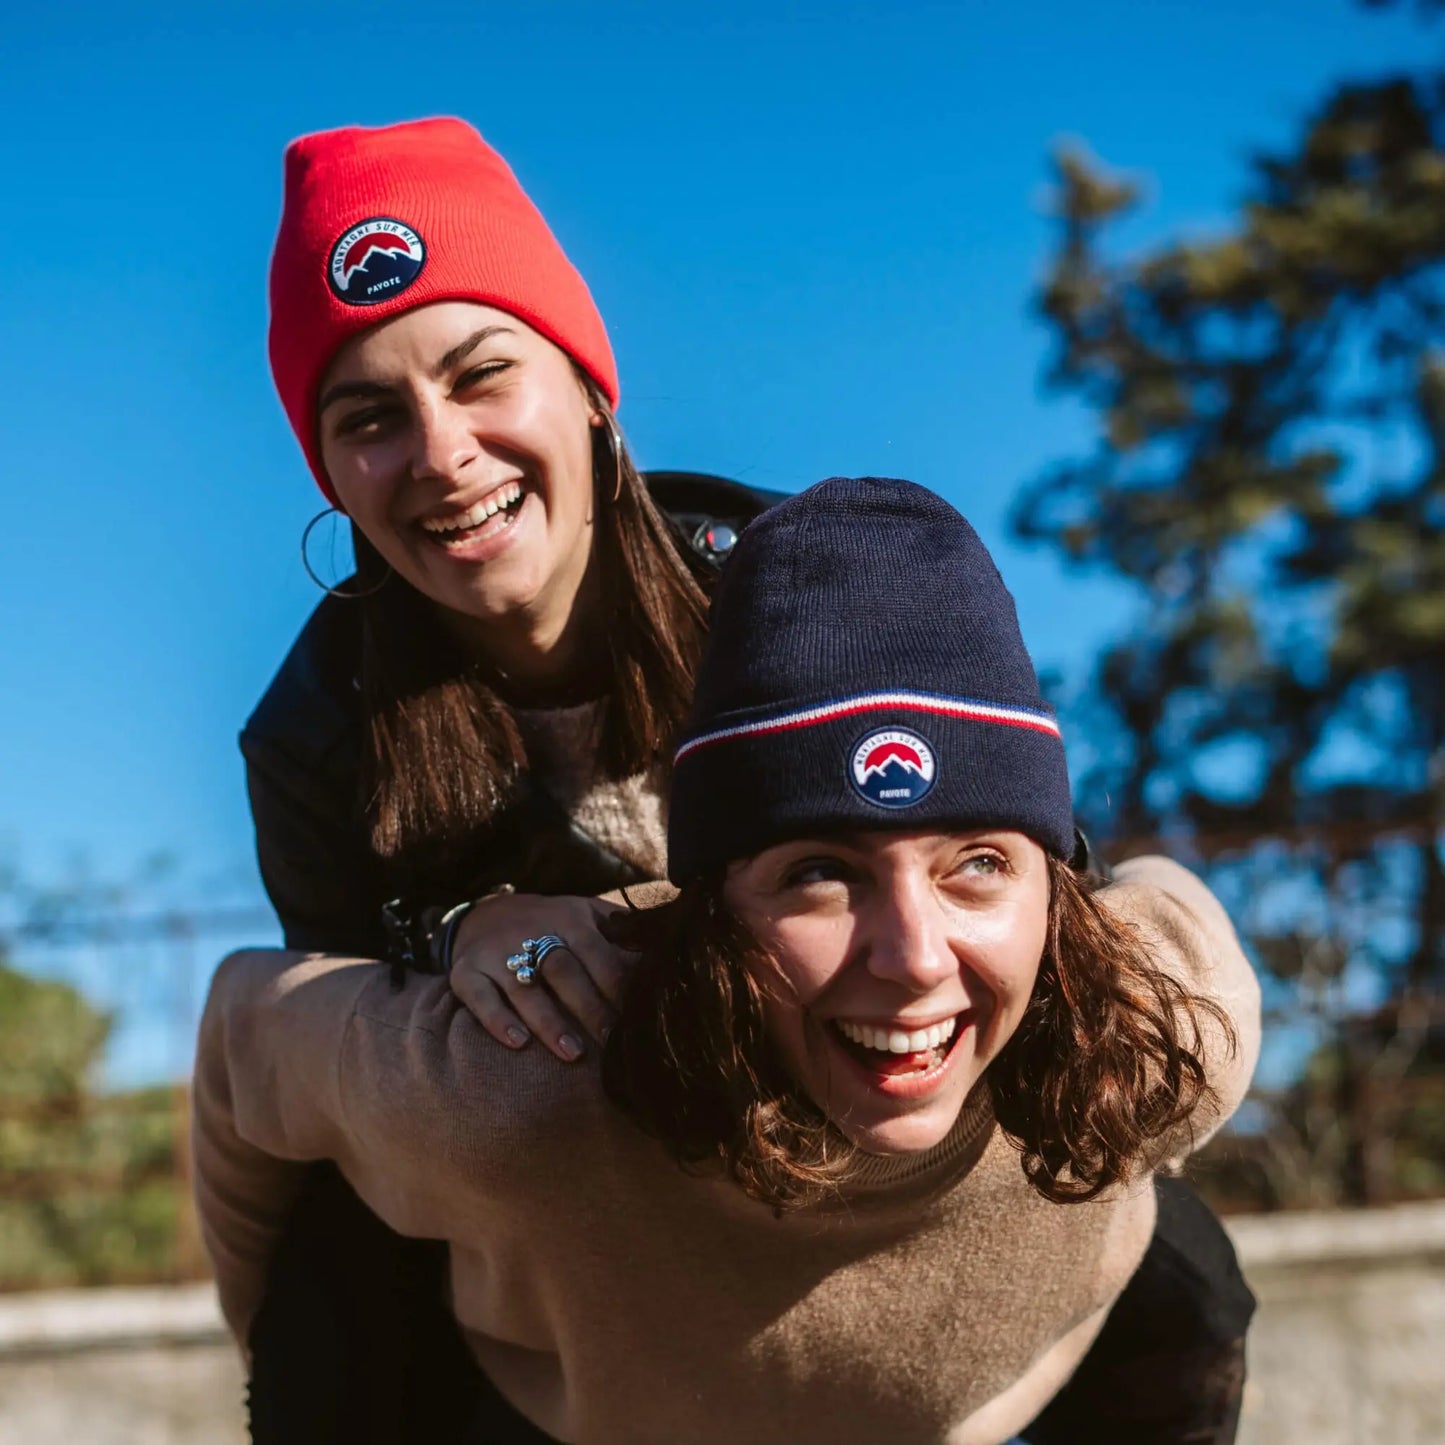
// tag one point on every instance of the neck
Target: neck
(542, 656)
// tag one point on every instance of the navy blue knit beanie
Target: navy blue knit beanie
(864, 670)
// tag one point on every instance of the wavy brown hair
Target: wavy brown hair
(442, 754)
(1106, 1064)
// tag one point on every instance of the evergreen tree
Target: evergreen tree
(1270, 474)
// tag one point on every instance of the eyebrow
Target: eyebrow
(842, 837)
(367, 390)
(351, 391)
(460, 353)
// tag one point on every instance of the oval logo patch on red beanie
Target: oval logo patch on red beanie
(375, 261)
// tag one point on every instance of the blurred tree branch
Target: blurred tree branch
(1269, 475)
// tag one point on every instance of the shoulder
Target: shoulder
(1190, 937)
(325, 1056)
(312, 706)
(1190, 932)
(415, 1055)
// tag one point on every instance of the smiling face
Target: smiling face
(459, 441)
(906, 961)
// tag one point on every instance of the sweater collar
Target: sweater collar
(951, 1157)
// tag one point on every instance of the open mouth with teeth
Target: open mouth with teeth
(893, 1052)
(494, 513)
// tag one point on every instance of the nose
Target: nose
(907, 935)
(444, 443)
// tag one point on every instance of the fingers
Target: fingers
(576, 988)
(581, 988)
(607, 963)
(485, 1002)
(540, 1013)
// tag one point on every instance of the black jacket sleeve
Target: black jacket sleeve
(301, 747)
(318, 879)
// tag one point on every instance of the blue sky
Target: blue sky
(813, 231)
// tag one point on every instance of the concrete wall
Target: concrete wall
(119, 1367)
(1348, 1347)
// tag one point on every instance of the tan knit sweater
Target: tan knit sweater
(614, 1298)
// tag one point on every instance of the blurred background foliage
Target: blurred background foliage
(1268, 478)
(91, 1182)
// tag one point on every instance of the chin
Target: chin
(906, 1105)
(912, 1133)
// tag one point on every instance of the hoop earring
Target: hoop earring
(615, 436)
(311, 571)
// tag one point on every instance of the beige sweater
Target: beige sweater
(614, 1298)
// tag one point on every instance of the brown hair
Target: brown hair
(1107, 1061)
(442, 753)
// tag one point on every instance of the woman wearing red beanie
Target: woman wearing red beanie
(469, 740)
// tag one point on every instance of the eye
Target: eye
(480, 375)
(983, 865)
(810, 871)
(366, 421)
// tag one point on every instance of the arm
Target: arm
(264, 1098)
(307, 1058)
(320, 879)
(302, 745)
(1190, 937)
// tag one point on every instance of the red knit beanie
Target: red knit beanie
(377, 221)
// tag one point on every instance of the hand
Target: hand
(577, 988)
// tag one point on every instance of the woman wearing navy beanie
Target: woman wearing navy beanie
(870, 1152)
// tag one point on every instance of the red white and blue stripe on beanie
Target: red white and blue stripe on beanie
(967, 709)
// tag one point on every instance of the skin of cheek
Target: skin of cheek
(1004, 952)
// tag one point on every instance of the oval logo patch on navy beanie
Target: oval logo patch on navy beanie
(893, 768)
(375, 261)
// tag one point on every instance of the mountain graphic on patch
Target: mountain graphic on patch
(375, 260)
(893, 768)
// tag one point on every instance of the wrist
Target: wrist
(425, 939)
(462, 930)
(444, 940)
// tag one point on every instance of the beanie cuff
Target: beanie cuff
(900, 761)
